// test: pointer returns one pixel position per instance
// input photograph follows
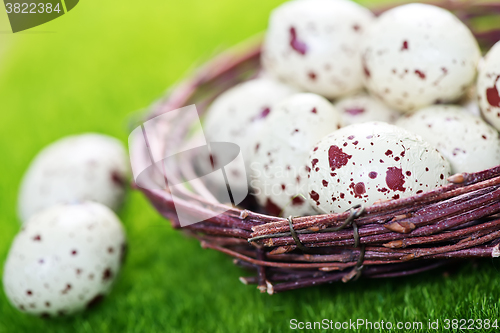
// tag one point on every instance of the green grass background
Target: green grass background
(90, 70)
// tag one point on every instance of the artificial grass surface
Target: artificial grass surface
(90, 70)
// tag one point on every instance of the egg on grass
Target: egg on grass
(81, 167)
(64, 259)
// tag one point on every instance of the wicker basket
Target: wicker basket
(393, 238)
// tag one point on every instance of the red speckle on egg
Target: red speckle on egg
(272, 208)
(315, 196)
(408, 173)
(366, 71)
(297, 201)
(37, 238)
(118, 179)
(394, 179)
(325, 183)
(107, 274)
(388, 152)
(314, 110)
(212, 161)
(354, 111)
(265, 112)
(313, 162)
(67, 289)
(359, 189)
(420, 74)
(492, 94)
(297, 45)
(337, 158)
(404, 46)
(342, 195)
(312, 75)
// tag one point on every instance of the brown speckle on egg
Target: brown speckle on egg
(362, 165)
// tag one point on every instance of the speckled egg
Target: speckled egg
(81, 167)
(488, 86)
(467, 142)
(364, 163)
(416, 55)
(362, 107)
(235, 116)
(280, 150)
(64, 259)
(314, 45)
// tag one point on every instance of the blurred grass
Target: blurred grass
(89, 71)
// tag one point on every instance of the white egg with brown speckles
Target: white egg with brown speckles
(467, 141)
(281, 148)
(235, 116)
(314, 45)
(79, 167)
(416, 55)
(362, 107)
(368, 162)
(488, 86)
(64, 259)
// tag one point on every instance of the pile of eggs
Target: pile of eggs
(71, 244)
(353, 109)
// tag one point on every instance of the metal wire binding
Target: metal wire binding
(295, 237)
(355, 273)
(349, 220)
(356, 211)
